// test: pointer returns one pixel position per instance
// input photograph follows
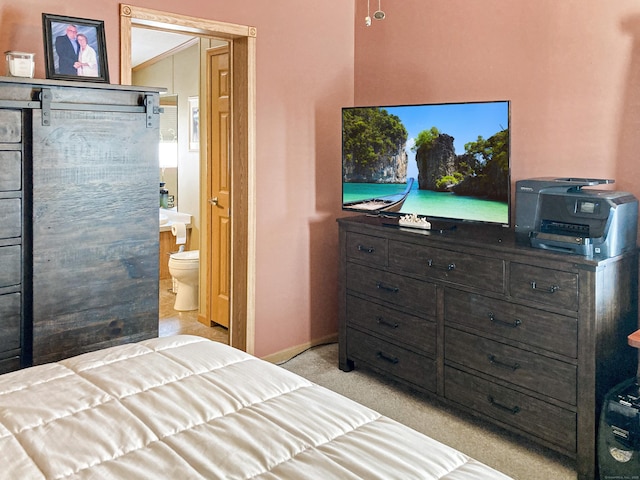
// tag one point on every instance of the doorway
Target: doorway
(242, 147)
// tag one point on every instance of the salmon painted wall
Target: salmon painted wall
(305, 54)
(571, 70)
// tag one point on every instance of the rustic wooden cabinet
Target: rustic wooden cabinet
(12, 238)
(79, 229)
(530, 340)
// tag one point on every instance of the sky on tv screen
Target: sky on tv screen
(463, 121)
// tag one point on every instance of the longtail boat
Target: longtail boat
(386, 203)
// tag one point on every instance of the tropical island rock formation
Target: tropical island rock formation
(441, 169)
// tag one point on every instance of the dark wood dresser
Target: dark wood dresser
(78, 218)
(528, 339)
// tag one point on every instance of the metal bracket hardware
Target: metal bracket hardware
(45, 105)
(32, 104)
(153, 110)
(43, 101)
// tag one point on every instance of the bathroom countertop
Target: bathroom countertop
(168, 217)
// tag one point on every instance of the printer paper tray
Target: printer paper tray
(562, 243)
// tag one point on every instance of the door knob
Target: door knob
(213, 201)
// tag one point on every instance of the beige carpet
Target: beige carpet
(516, 457)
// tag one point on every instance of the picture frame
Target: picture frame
(68, 37)
(194, 124)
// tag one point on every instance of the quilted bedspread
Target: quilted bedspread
(185, 407)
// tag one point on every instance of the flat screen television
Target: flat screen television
(446, 161)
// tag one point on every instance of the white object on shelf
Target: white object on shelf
(414, 221)
(20, 64)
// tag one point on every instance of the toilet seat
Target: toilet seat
(187, 256)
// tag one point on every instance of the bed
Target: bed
(186, 407)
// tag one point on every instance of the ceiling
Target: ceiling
(147, 44)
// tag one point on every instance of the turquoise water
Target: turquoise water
(432, 204)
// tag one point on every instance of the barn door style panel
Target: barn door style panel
(79, 218)
(95, 230)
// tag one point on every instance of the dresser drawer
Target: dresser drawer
(439, 264)
(541, 374)
(10, 171)
(9, 364)
(541, 419)
(10, 126)
(10, 217)
(10, 322)
(394, 325)
(406, 292)
(550, 331)
(10, 266)
(544, 285)
(368, 248)
(397, 361)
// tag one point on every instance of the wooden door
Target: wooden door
(219, 205)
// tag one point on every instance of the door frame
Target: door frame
(242, 42)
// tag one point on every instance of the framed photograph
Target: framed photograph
(194, 124)
(74, 49)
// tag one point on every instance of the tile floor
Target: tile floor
(173, 322)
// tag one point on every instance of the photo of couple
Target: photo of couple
(75, 54)
(75, 48)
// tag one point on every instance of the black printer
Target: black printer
(560, 214)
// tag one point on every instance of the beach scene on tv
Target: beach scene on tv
(446, 160)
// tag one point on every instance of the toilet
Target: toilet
(184, 267)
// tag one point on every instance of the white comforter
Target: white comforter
(185, 407)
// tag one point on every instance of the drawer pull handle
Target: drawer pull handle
(432, 264)
(512, 410)
(387, 288)
(515, 324)
(382, 321)
(388, 358)
(362, 248)
(551, 289)
(497, 363)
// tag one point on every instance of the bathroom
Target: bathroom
(178, 72)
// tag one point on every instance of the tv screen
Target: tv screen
(439, 161)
